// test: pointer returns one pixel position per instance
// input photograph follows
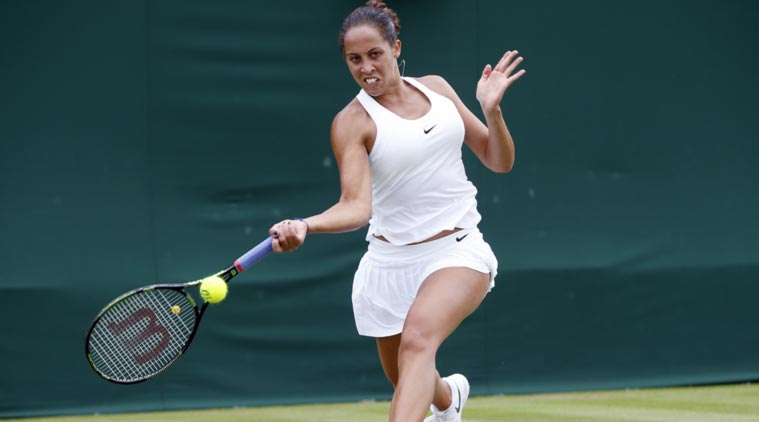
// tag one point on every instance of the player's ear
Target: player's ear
(397, 48)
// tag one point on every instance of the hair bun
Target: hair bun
(379, 4)
(375, 14)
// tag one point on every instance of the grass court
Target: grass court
(728, 403)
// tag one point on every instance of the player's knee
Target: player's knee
(414, 341)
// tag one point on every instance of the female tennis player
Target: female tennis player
(398, 146)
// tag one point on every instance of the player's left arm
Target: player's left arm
(491, 142)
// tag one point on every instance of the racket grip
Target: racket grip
(254, 255)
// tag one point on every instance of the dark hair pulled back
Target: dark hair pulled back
(376, 14)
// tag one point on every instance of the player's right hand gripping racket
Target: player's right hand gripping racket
(142, 332)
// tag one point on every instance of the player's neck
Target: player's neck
(395, 95)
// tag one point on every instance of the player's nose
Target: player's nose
(367, 68)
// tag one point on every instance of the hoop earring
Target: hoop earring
(402, 65)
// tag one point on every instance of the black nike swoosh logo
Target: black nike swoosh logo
(459, 239)
(458, 408)
(426, 131)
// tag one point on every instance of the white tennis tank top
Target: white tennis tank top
(419, 186)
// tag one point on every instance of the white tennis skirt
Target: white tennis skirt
(389, 276)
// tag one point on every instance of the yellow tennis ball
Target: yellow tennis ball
(213, 289)
(176, 309)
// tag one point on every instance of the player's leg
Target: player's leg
(444, 299)
(387, 347)
(442, 396)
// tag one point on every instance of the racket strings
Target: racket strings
(144, 344)
(146, 335)
(141, 335)
(113, 351)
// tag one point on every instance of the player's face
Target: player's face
(371, 59)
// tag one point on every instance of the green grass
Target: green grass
(732, 403)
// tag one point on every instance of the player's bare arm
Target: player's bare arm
(351, 135)
(491, 142)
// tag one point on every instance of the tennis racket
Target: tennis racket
(142, 332)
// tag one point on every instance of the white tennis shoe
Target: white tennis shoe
(459, 395)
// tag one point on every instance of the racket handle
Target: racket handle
(254, 255)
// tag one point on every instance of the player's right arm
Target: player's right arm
(352, 133)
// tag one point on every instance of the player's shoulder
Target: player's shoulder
(352, 122)
(353, 114)
(438, 84)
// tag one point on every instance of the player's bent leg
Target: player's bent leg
(387, 347)
(443, 301)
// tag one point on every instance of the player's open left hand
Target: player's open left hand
(496, 80)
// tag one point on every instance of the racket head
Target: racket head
(142, 332)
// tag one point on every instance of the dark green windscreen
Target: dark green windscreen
(156, 141)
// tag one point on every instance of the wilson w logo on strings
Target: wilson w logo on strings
(136, 339)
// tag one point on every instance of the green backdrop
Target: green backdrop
(155, 141)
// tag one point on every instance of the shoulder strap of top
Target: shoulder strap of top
(420, 86)
(376, 110)
(371, 105)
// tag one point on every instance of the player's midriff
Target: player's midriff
(440, 235)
